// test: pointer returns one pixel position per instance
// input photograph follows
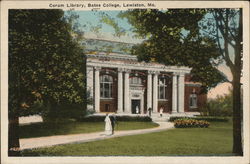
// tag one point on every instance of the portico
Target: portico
(127, 84)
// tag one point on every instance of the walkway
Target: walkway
(30, 143)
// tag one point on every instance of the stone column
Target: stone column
(149, 90)
(126, 92)
(181, 92)
(97, 89)
(120, 91)
(174, 93)
(90, 87)
(155, 92)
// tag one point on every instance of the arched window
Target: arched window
(162, 86)
(135, 81)
(193, 100)
(106, 85)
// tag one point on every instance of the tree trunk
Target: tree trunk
(237, 117)
(14, 146)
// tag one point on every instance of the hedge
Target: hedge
(118, 118)
(207, 118)
(191, 123)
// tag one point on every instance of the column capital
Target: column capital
(178, 74)
(182, 74)
(120, 69)
(127, 70)
(150, 72)
(97, 68)
(156, 72)
(175, 73)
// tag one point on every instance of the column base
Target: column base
(119, 112)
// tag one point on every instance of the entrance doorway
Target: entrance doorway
(135, 104)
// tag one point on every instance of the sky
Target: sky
(89, 20)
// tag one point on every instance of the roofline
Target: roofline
(110, 41)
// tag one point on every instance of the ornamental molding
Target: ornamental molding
(141, 66)
(110, 56)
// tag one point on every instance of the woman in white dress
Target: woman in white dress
(108, 126)
(137, 110)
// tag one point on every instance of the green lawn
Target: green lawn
(73, 127)
(215, 140)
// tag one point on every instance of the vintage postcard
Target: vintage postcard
(125, 81)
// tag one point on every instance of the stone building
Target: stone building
(119, 83)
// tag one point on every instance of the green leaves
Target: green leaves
(173, 38)
(45, 57)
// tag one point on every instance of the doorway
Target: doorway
(135, 104)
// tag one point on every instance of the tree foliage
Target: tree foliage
(45, 61)
(172, 37)
(46, 66)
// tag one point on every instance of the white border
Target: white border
(5, 5)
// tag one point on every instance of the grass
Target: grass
(74, 127)
(215, 140)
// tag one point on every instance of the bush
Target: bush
(190, 123)
(213, 118)
(94, 118)
(222, 105)
(63, 111)
(205, 118)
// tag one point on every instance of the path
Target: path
(29, 143)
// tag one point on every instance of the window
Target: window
(135, 81)
(162, 86)
(106, 85)
(193, 101)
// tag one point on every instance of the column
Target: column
(155, 92)
(181, 92)
(174, 93)
(90, 87)
(126, 92)
(97, 89)
(149, 90)
(120, 91)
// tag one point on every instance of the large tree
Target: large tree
(187, 37)
(46, 65)
(228, 30)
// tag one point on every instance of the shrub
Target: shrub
(205, 118)
(94, 118)
(222, 105)
(212, 118)
(190, 123)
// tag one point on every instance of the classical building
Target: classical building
(119, 83)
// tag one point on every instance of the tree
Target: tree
(228, 32)
(46, 65)
(187, 37)
(173, 38)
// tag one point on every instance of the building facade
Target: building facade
(119, 83)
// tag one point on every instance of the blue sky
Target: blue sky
(90, 19)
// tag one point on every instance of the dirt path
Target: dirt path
(30, 143)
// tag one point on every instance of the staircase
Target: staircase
(157, 118)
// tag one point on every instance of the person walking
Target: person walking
(113, 122)
(108, 126)
(161, 111)
(149, 111)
